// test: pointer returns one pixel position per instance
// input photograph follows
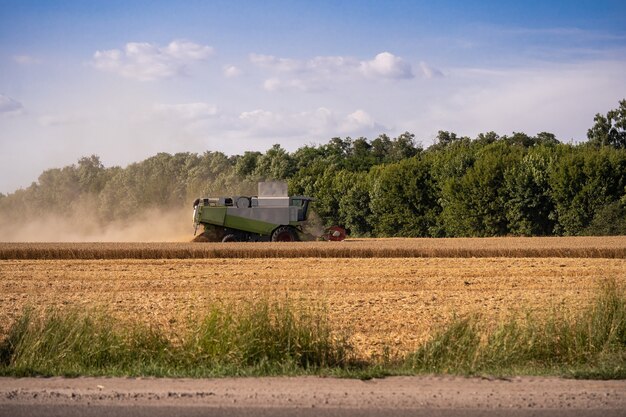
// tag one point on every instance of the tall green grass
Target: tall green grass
(591, 344)
(279, 338)
(260, 339)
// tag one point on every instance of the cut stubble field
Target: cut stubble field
(391, 303)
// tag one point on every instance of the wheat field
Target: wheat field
(382, 302)
(539, 247)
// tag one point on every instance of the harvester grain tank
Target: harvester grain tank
(272, 215)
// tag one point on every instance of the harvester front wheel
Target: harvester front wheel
(231, 237)
(284, 234)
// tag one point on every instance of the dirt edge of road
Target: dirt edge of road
(306, 392)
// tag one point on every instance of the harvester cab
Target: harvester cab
(272, 215)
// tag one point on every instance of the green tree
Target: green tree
(247, 164)
(275, 164)
(306, 155)
(353, 189)
(445, 138)
(547, 139)
(519, 139)
(474, 205)
(337, 150)
(487, 138)
(403, 147)
(609, 220)
(91, 174)
(403, 199)
(58, 189)
(381, 147)
(212, 174)
(360, 157)
(609, 130)
(584, 181)
(119, 200)
(317, 180)
(529, 204)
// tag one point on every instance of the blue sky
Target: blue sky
(127, 79)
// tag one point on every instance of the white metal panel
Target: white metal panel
(273, 201)
(276, 216)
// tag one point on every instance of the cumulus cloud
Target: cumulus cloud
(430, 72)
(147, 62)
(26, 60)
(186, 111)
(297, 84)
(9, 106)
(357, 120)
(315, 73)
(387, 65)
(278, 64)
(319, 123)
(326, 65)
(231, 71)
(264, 123)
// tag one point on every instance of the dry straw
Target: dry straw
(562, 247)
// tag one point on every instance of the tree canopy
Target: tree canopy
(490, 185)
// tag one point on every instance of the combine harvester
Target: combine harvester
(271, 216)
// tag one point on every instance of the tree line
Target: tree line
(490, 185)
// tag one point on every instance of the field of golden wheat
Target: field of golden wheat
(538, 247)
(380, 298)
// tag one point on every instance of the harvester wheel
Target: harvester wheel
(284, 234)
(230, 238)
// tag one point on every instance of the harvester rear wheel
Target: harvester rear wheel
(231, 238)
(284, 234)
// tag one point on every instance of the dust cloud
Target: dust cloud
(314, 225)
(152, 225)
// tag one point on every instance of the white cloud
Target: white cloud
(26, 60)
(231, 71)
(331, 65)
(9, 106)
(316, 73)
(387, 65)
(185, 50)
(297, 84)
(147, 62)
(186, 111)
(430, 72)
(321, 123)
(277, 64)
(357, 120)
(328, 65)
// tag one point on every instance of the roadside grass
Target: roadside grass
(591, 344)
(262, 338)
(280, 338)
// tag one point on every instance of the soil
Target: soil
(395, 303)
(426, 392)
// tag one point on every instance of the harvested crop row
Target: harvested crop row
(549, 247)
(383, 303)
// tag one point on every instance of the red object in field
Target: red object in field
(335, 233)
